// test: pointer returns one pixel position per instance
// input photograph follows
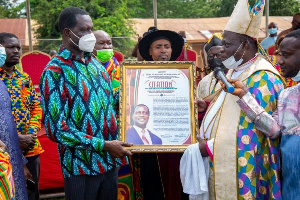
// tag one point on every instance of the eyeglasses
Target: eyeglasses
(212, 56)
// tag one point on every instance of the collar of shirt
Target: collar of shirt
(16, 72)
(139, 131)
(68, 55)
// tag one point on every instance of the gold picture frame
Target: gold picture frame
(167, 90)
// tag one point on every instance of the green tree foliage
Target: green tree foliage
(10, 9)
(284, 8)
(277, 7)
(204, 8)
(173, 8)
(108, 15)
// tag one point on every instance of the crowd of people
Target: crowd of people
(246, 141)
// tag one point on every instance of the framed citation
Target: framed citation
(157, 111)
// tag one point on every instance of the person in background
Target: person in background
(52, 53)
(78, 104)
(285, 121)
(25, 105)
(206, 88)
(295, 26)
(135, 52)
(160, 172)
(271, 39)
(103, 51)
(16, 187)
(289, 82)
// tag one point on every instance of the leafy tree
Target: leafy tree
(284, 8)
(204, 8)
(10, 9)
(108, 15)
(173, 8)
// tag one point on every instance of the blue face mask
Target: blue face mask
(272, 30)
(2, 56)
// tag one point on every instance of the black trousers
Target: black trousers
(88, 187)
(33, 166)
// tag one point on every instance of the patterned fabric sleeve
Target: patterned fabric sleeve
(35, 112)
(55, 105)
(264, 122)
(258, 154)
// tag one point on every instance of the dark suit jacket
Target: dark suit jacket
(132, 136)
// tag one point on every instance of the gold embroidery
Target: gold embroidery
(248, 195)
(241, 183)
(251, 174)
(262, 190)
(256, 78)
(246, 139)
(274, 158)
(242, 161)
(265, 158)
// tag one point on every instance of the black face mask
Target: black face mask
(216, 62)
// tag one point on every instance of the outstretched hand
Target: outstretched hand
(116, 148)
(201, 105)
(239, 88)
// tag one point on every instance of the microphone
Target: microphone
(219, 74)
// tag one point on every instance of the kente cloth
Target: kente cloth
(125, 184)
(245, 162)
(286, 121)
(78, 104)
(9, 136)
(113, 69)
(25, 105)
(268, 42)
(7, 187)
(288, 81)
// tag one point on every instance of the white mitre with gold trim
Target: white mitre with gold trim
(245, 20)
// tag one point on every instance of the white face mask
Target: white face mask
(2, 56)
(231, 63)
(86, 42)
(297, 77)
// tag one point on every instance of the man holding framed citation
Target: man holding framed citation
(158, 97)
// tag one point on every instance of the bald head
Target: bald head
(272, 25)
(103, 40)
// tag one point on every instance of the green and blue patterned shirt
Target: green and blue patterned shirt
(78, 105)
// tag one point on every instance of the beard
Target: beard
(11, 64)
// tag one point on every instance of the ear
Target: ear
(150, 52)
(67, 32)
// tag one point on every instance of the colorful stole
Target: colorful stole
(231, 148)
(113, 69)
(7, 188)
